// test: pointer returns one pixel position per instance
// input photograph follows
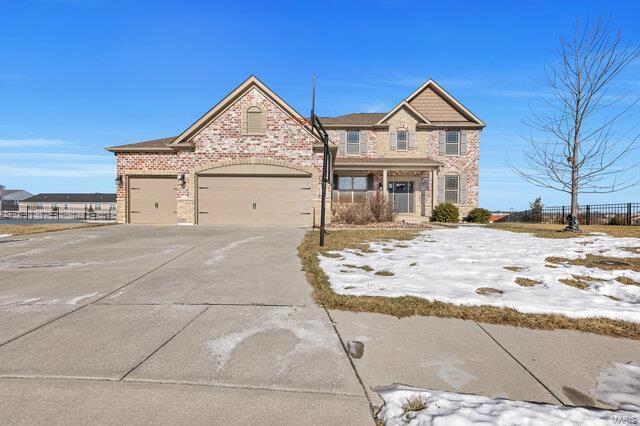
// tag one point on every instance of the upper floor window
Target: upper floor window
(451, 189)
(452, 142)
(254, 121)
(402, 140)
(353, 142)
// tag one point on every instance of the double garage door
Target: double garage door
(225, 200)
(254, 200)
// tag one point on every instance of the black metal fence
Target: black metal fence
(589, 214)
(39, 213)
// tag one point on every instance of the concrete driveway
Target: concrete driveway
(143, 324)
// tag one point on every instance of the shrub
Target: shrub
(381, 209)
(353, 213)
(478, 215)
(617, 220)
(445, 212)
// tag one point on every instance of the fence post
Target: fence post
(588, 214)
(629, 214)
(563, 216)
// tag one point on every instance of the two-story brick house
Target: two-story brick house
(427, 138)
(247, 161)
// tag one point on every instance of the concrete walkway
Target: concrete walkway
(142, 324)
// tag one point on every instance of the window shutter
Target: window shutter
(463, 142)
(441, 189)
(393, 140)
(443, 140)
(462, 182)
(263, 123)
(364, 139)
(369, 182)
(335, 181)
(412, 140)
(342, 146)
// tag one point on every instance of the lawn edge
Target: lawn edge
(406, 306)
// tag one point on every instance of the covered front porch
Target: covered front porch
(407, 182)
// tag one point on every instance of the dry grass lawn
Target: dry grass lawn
(548, 230)
(409, 306)
(37, 228)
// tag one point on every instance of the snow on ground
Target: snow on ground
(448, 408)
(619, 386)
(449, 265)
(4, 235)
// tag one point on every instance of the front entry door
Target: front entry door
(401, 192)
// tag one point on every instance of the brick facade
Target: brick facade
(221, 143)
(427, 146)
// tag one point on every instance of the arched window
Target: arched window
(254, 121)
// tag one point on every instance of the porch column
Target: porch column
(385, 184)
(434, 189)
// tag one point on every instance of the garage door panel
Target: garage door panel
(261, 200)
(152, 200)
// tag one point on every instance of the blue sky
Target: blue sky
(79, 75)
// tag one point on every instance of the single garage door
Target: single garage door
(254, 200)
(152, 200)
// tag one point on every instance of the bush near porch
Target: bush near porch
(374, 209)
(446, 212)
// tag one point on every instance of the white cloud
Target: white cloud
(24, 143)
(54, 156)
(59, 170)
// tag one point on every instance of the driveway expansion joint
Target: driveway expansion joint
(521, 365)
(167, 341)
(353, 365)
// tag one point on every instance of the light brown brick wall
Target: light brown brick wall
(222, 143)
(427, 146)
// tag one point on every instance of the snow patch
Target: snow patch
(75, 300)
(4, 235)
(449, 265)
(445, 408)
(218, 254)
(312, 335)
(619, 385)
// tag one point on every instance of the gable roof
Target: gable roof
(185, 137)
(431, 84)
(406, 105)
(437, 109)
(72, 198)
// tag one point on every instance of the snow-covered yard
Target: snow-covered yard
(451, 265)
(617, 386)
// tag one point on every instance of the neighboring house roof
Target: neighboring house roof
(14, 194)
(72, 198)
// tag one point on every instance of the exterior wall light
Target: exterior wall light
(182, 179)
(119, 180)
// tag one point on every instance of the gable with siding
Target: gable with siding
(436, 108)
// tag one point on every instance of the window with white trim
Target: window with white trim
(254, 121)
(402, 140)
(353, 142)
(451, 189)
(452, 142)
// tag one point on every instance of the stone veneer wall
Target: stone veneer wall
(223, 143)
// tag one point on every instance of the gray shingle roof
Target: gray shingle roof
(72, 198)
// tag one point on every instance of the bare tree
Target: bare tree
(580, 133)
